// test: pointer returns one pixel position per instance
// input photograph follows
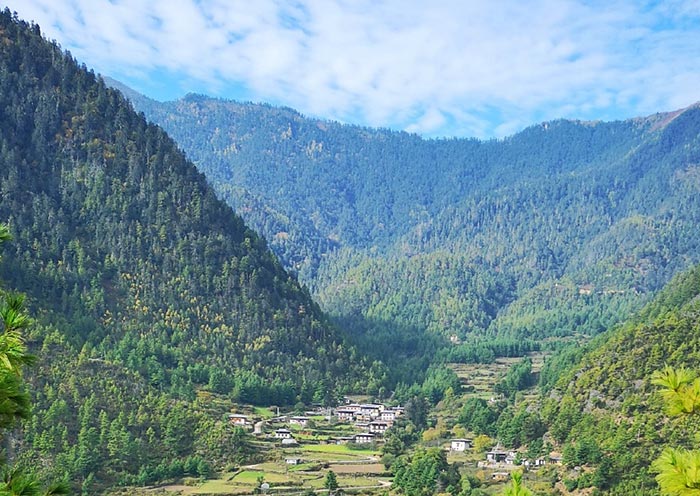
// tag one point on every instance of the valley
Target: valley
(296, 451)
(205, 296)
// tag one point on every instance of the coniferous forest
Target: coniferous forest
(172, 263)
(556, 230)
(146, 289)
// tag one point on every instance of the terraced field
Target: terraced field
(355, 469)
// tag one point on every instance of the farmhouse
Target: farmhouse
(238, 419)
(283, 434)
(362, 425)
(496, 455)
(371, 410)
(556, 458)
(390, 414)
(378, 427)
(460, 444)
(293, 461)
(537, 462)
(301, 421)
(345, 414)
(364, 438)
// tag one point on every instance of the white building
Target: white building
(283, 434)
(364, 438)
(301, 421)
(378, 427)
(238, 419)
(460, 444)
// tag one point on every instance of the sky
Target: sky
(440, 68)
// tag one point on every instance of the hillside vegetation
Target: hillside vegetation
(608, 401)
(155, 306)
(156, 309)
(564, 228)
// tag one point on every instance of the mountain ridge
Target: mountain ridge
(661, 116)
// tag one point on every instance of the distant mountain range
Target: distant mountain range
(564, 228)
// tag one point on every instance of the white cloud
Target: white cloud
(430, 121)
(445, 67)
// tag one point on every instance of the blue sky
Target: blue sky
(478, 68)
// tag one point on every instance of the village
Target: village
(364, 425)
(295, 449)
(361, 424)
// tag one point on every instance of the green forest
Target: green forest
(565, 228)
(146, 290)
(165, 265)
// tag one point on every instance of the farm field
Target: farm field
(303, 467)
(478, 379)
(357, 467)
(354, 470)
(340, 449)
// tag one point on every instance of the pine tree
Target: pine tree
(331, 481)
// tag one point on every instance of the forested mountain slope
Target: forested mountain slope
(608, 403)
(563, 228)
(149, 293)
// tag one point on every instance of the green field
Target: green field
(333, 457)
(250, 477)
(276, 475)
(263, 412)
(358, 468)
(342, 449)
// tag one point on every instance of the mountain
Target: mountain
(156, 307)
(563, 229)
(606, 400)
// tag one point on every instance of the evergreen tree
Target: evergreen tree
(331, 481)
(147, 290)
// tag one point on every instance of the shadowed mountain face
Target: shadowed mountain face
(563, 228)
